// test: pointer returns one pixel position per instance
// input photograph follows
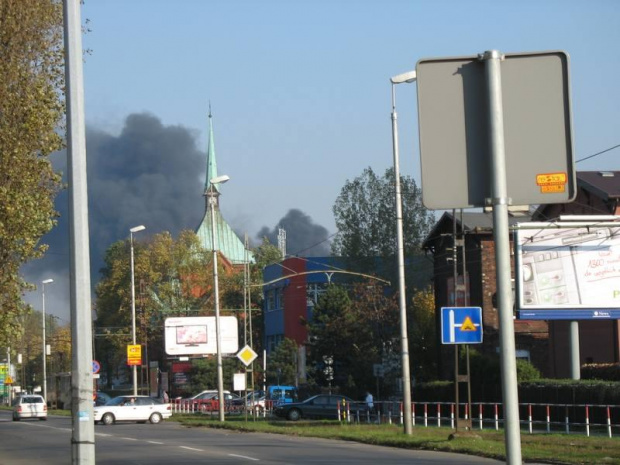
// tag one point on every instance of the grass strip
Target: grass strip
(541, 448)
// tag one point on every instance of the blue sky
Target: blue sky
(300, 91)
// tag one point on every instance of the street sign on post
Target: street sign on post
(247, 355)
(454, 137)
(134, 354)
(461, 325)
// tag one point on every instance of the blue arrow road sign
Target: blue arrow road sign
(461, 325)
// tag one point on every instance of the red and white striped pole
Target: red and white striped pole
(587, 421)
(439, 414)
(480, 415)
(529, 417)
(496, 418)
(452, 415)
(548, 420)
(608, 422)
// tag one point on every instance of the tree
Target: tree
(422, 338)
(282, 364)
(31, 111)
(172, 278)
(356, 328)
(203, 374)
(365, 216)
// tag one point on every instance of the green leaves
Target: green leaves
(31, 113)
(366, 217)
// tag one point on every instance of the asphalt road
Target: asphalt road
(49, 442)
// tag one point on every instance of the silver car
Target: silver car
(29, 406)
(132, 408)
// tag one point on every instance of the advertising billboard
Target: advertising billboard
(568, 273)
(196, 335)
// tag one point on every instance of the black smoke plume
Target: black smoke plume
(303, 236)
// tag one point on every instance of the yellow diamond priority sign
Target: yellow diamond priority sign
(247, 355)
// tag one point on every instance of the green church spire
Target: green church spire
(211, 161)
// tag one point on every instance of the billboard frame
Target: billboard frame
(566, 269)
(229, 335)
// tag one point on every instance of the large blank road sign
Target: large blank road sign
(454, 140)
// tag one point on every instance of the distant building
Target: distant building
(291, 289)
(475, 230)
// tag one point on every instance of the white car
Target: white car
(29, 406)
(132, 408)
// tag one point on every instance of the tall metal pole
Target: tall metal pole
(500, 203)
(83, 426)
(402, 303)
(216, 293)
(134, 371)
(134, 368)
(44, 355)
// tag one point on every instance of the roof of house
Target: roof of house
(473, 222)
(604, 184)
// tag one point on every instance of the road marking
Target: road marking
(155, 442)
(129, 439)
(191, 448)
(244, 457)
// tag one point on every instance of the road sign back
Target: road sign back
(454, 147)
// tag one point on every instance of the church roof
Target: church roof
(226, 240)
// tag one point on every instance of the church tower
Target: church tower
(229, 245)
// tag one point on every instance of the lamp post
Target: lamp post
(44, 282)
(402, 303)
(133, 305)
(220, 383)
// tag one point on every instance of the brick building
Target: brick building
(544, 343)
(598, 193)
(473, 235)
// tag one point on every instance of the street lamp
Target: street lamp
(133, 306)
(401, 78)
(44, 282)
(220, 383)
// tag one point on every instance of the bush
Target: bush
(526, 371)
(602, 371)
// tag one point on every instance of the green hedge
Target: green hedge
(606, 371)
(541, 391)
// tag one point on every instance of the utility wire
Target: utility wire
(599, 153)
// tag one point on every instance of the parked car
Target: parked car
(102, 398)
(205, 395)
(256, 402)
(29, 406)
(132, 408)
(322, 406)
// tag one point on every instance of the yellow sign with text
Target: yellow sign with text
(134, 354)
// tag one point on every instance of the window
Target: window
(314, 292)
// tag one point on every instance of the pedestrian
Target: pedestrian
(369, 401)
(166, 397)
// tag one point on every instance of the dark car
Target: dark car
(102, 398)
(322, 406)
